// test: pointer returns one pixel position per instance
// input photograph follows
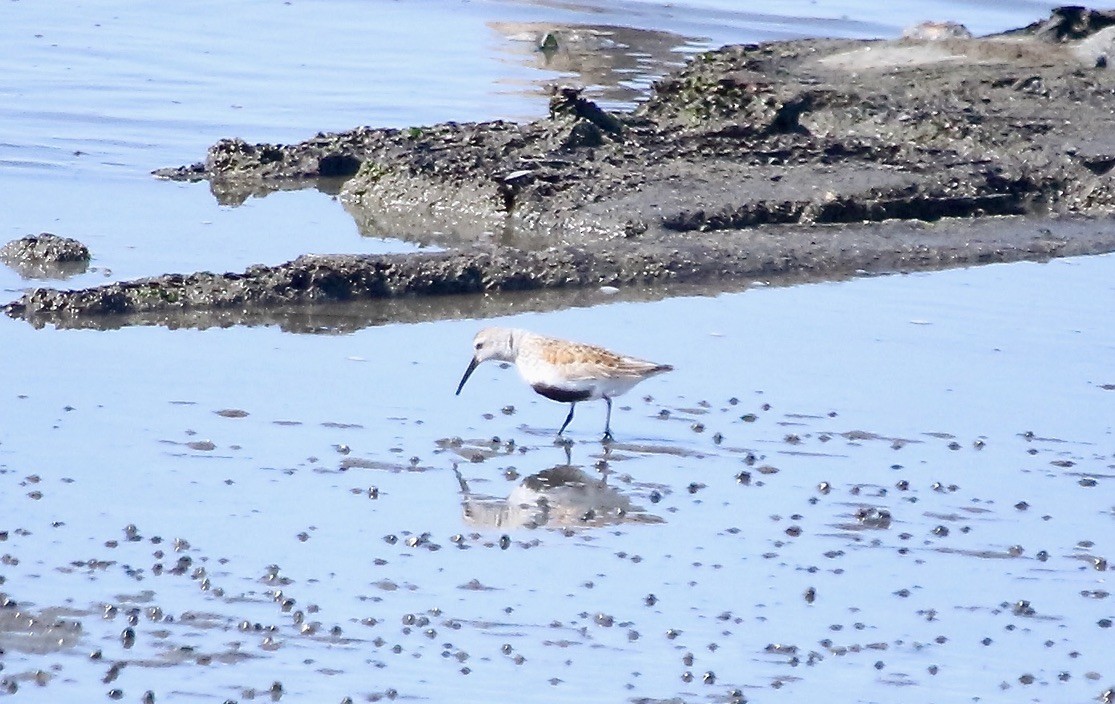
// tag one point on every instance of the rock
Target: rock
(1070, 23)
(936, 31)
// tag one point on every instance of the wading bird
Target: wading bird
(563, 371)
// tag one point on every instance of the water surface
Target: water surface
(928, 455)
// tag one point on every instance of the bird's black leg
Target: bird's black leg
(608, 423)
(568, 417)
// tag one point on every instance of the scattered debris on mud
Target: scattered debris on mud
(827, 156)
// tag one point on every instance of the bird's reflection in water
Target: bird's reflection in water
(562, 496)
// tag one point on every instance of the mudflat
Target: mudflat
(811, 157)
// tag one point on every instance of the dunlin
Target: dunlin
(563, 371)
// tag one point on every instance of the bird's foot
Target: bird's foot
(607, 437)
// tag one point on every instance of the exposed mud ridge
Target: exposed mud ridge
(764, 160)
(736, 257)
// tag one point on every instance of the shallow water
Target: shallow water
(945, 400)
(933, 471)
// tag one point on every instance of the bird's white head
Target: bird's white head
(490, 343)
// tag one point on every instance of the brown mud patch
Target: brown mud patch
(46, 256)
(819, 157)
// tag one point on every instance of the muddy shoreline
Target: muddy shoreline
(303, 295)
(816, 157)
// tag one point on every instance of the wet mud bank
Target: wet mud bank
(429, 281)
(46, 255)
(757, 161)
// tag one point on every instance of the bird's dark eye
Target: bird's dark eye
(478, 345)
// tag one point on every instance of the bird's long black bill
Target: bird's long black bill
(468, 372)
